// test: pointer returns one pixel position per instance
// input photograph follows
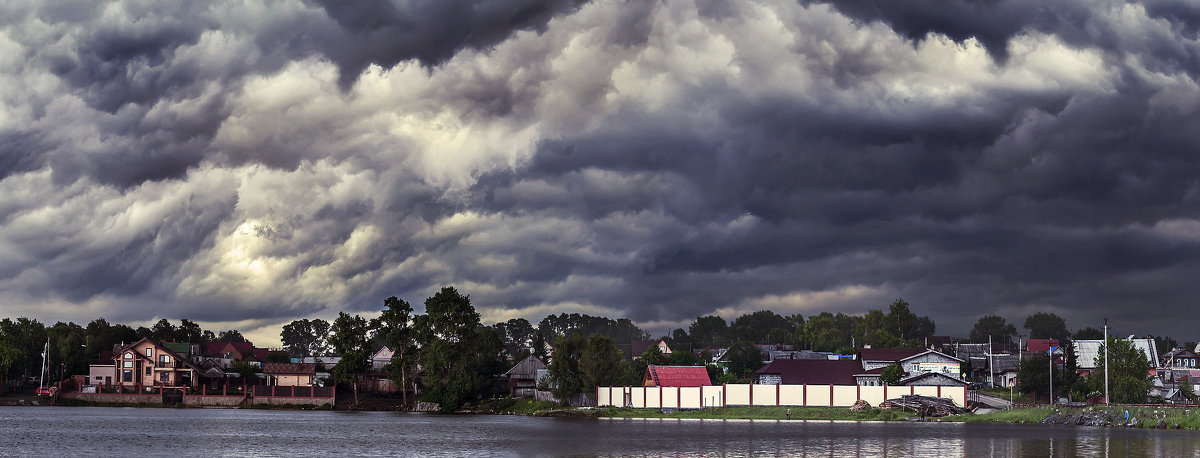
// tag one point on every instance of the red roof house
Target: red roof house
(1040, 345)
(676, 376)
(230, 350)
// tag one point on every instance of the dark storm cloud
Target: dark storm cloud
(385, 32)
(656, 160)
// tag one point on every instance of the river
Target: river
(83, 431)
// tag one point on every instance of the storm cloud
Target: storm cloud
(250, 163)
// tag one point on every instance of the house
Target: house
(323, 362)
(147, 363)
(1088, 354)
(801, 354)
(637, 347)
(290, 374)
(523, 377)
(225, 353)
(1040, 346)
(914, 362)
(809, 372)
(381, 358)
(685, 376)
(101, 374)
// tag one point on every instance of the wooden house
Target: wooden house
(522, 378)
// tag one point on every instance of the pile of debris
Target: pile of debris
(860, 406)
(1084, 418)
(925, 405)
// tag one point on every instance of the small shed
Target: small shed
(522, 378)
(291, 374)
(685, 376)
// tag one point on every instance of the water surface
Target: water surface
(79, 431)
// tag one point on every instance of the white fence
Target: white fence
(667, 397)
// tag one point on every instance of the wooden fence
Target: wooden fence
(667, 397)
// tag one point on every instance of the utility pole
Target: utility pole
(1051, 375)
(1106, 361)
(991, 365)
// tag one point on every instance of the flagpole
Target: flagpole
(1106, 361)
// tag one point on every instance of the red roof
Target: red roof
(889, 354)
(290, 368)
(676, 376)
(1040, 345)
(813, 371)
(217, 348)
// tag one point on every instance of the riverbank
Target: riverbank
(739, 413)
(1161, 417)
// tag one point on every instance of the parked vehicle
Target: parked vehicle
(44, 391)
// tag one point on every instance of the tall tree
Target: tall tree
(1128, 372)
(754, 327)
(995, 326)
(446, 335)
(349, 340)
(901, 321)
(709, 331)
(743, 358)
(599, 363)
(564, 367)
(1088, 333)
(304, 338)
(394, 325)
(162, 331)
(517, 332)
(189, 331)
(231, 335)
(1044, 325)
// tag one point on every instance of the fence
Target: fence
(293, 391)
(667, 397)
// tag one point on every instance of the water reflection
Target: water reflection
(191, 432)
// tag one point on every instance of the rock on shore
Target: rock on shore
(1095, 418)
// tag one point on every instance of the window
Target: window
(127, 375)
(164, 359)
(166, 376)
(149, 351)
(128, 363)
(148, 370)
(129, 356)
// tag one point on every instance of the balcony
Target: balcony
(162, 365)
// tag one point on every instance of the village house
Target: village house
(685, 376)
(523, 377)
(381, 358)
(637, 347)
(148, 364)
(1088, 354)
(920, 366)
(290, 374)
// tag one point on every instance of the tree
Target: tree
(230, 335)
(995, 326)
(1127, 373)
(189, 331)
(1164, 343)
(900, 320)
(891, 375)
(1185, 390)
(517, 332)
(1033, 376)
(162, 331)
(9, 356)
(539, 346)
(1044, 325)
(564, 369)
(822, 333)
(708, 331)
(349, 340)
(742, 359)
(599, 363)
(305, 338)
(244, 370)
(1088, 333)
(754, 327)
(446, 335)
(394, 325)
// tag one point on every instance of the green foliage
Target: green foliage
(891, 375)
(709, 331)
(305, 338)
(1033, 376)
(565, 373)
(456, 353)
(1185, 390)
(1088, 333)
(743, 359)
(619, 330)
(1127, 374)
(1044, 325)
(995, 326)
(755, 327)
(394, 327)
(517, 331)
(349, 340)
(243, 369)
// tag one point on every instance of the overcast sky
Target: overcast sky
(247, 163)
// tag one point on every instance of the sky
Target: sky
(246, 163)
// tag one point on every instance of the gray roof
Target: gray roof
(1087, 352)
(528, 367)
